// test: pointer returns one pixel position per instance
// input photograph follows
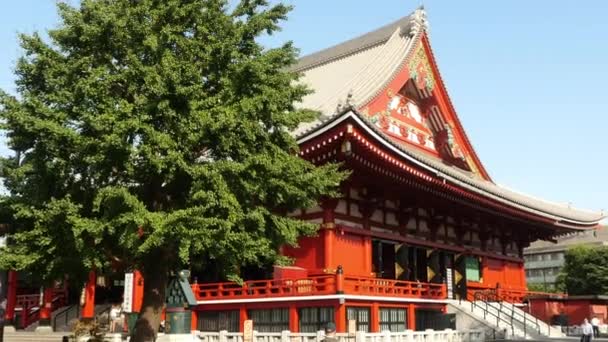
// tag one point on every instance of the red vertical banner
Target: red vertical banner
(138, 290)
(11, 297)
(88, 300)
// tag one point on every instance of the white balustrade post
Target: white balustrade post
(223, 336)
(285, 336)
(360, 336)
(386, 336)
(320, 336)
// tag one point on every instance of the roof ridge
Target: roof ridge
(353, 45)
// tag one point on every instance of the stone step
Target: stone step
(26, 336)
(33, 337)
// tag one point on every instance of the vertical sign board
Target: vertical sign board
(127, 305)
(352, 327)
(248, 331)
(449, 282)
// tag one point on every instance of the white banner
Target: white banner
(127, 304)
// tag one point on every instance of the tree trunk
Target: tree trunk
(155, 283)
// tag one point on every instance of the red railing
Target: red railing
(266, 288)
(28, 306)
(511, 295)
(320, 285)
(393, 288)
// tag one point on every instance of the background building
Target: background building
(544, 259)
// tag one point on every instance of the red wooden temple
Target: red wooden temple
(420, 221)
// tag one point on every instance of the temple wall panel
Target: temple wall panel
(391, 218)
(342, 207)
(351, 253)
(377, 216)
(411, 223)
(309, 255)
(451, 232)
(423, 227)
(474, 241)
(354, 193)
(354, 210)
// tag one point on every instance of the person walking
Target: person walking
(116, 320)
(587, 331)
(595, 323)
(330, 333)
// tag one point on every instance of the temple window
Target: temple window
(314, 319)
(392, 319)
(270, 320)
(361, 316)
(218, 320)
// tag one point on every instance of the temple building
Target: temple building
(420, 222)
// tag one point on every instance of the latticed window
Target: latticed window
(314, 319)
(392, 319)
(218, 321)
(270, 320)
(360, 315)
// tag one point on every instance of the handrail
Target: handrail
(66, 312)
(482, 296)
(100, 313)
(493, 299)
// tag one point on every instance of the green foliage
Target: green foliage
(549, 288)
(149, 127)
(585, 271)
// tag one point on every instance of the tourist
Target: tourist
(116, 322)
(330, 333)
(595, 323)
(587, 331)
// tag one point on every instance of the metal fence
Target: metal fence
(447, 335)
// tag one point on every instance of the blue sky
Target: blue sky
(526, 77)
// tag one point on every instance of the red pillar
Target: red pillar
(88, 309)
(194, 321)
(11, 297)
(411, 317)
(242, 318)
(294, 319)
(138, 291)
(375, 318)
(340, 317)
(328, 227)
(47, 306)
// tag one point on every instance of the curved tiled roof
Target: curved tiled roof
(355, 71)
(561, 214)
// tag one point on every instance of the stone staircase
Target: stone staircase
(509, 321)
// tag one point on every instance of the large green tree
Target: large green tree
(585, 271)
(156, 134)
